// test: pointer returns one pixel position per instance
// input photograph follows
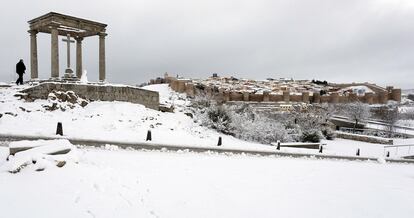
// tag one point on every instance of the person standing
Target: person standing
(20, 70)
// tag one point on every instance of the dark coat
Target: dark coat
(20, 67)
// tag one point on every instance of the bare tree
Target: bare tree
(390, 115)
(357, 112)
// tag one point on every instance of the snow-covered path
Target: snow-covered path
(124, 183)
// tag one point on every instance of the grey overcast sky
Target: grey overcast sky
(334, 40)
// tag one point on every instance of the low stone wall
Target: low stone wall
(104, 92)
(364, 138)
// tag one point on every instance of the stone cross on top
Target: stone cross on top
(59, 24)
(68, 71)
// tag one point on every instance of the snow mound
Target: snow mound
(39, 155)
(84, 77)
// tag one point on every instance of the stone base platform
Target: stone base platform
(97, 92)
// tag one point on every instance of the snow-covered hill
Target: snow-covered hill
(120, 121)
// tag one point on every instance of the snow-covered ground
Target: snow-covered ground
(122, 121)
(129, 183)
(112, 182)
(119, 121)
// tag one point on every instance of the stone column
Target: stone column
(33, 55)
(102, 75)
(55, 53)
(79, 57)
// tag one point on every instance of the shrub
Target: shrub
(201, 102)
(261, 129)
(217, 117)
(311, 136)
(328, 133)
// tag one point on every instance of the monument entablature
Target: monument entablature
(65, 24)
(71, 27)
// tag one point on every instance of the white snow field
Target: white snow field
(127, 122)
(129, 183)
(112, 182)
(120, 121)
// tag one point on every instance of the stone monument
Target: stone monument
(64, 25)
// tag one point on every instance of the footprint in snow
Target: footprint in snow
(97, 187)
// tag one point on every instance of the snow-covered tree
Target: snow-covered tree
(390, 115)
(357, 111)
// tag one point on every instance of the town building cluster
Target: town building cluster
(282, 90)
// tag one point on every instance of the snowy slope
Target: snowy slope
(125, 183)
(107, 121)
(121, 121)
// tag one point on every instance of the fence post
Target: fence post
(59, 129)
(358, 152)
(149, 136)
(278, 145)
(219, 141)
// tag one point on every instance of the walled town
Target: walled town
(281, 90)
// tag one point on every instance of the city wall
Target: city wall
(381, 95)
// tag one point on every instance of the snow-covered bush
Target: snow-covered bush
(201, 102)
(219, 118)
(211, 114)
(328, 133)
(311, 135)
(243, 122)
(313, 124)
(259, 128)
